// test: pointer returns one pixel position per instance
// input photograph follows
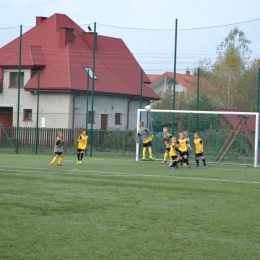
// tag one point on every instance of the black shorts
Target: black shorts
(80, 150)
(147, 144)
(174, 157)
(168, 149)
(199, 154)
(182, 154)
(58, 153)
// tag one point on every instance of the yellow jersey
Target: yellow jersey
(83, 143)
(173, 151)
(183, 144)
(199, 145)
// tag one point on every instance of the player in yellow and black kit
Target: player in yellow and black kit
(167, 141)
(199, 150)
(173, 154)
(183, 144)
(82, 145)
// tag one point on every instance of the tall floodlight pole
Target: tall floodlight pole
(174, 75)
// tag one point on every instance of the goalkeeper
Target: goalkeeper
(146, 137)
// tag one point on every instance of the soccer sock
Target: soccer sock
(144, 152)
(165, 156)
(81, 156)
(181, 161)
(78, 156)
(197, 162)
(174, 163)
(186, 161)
(150, 151)
(54, 160)
(60, 160)
(204, 161)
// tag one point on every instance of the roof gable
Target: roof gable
(62, 67)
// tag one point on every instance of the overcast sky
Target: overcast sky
(146, 14)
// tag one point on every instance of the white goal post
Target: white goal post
(141, 112)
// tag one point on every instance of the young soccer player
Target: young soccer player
(58, 149)
(146, 136)
(186, 135)
(173, 154)
(167, 142)
(199, 150)
(82, 145)
(183, 144)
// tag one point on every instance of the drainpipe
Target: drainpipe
(73, 110)
(128, 112)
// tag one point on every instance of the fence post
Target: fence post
(87, 93)
(198, 100)
(141, 89)
(37, 116)
(174, 75)
(19, 90)
(258, 91)
(93, 87)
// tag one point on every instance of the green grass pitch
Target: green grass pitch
(116, 208)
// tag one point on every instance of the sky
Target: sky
(145, 14)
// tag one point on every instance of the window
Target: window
(90, 117)
(117, 118)
(90, 72)
(14, 76)
(27, 114)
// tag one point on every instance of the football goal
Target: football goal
(229, 137)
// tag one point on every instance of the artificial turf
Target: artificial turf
(116, 208)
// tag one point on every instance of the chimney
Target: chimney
(66, 36)
(88, 38)
(187, 73)
(40, 19)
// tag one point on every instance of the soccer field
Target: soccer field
(116, 208)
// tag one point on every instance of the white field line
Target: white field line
(120, 174)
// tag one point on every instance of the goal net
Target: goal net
(229, 137)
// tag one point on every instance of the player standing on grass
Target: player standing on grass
(186, 135)
(82, 145)
(173, 154)
(146, 136)
(58, 149)
(183, 144)
(167, 141)
(199, 150)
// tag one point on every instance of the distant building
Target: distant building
(62, 53)
(184, 82)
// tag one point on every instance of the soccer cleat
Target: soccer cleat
(205, 166)
(144, 159)
(77, 161)
(189, 166)
(51, 164)
(176, 167)
(197, 166)
(59, 164)
(80, 162)
(151, 158)
(164, 161)
(173, 168)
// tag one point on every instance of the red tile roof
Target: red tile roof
(187, 81)
(116, 69)
(233, 119)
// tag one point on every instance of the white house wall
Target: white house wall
(108, 106)
(53, 107)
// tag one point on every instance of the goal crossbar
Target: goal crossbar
(208, 113)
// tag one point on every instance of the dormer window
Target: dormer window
(14, 76)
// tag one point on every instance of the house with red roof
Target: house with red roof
(57, 53)
(184, 82)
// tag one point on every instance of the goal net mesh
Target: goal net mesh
(227, 138)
